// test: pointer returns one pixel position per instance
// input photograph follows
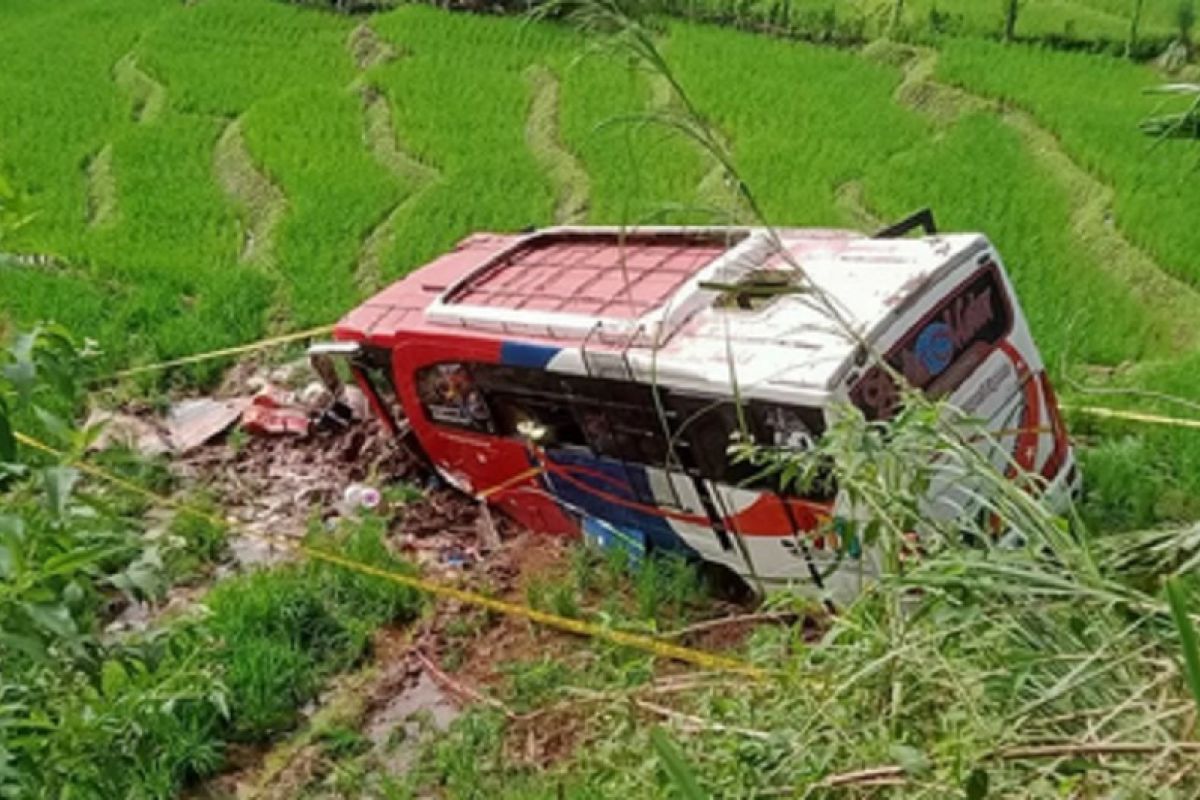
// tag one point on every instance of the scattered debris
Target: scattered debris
(273, 413)
(198, 421)
(359, 497)
(279, 486)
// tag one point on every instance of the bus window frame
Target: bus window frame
(736, 474)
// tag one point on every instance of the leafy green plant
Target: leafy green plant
(1189, 641)
(81, 714)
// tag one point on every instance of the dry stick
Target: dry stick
(699, 723)
(782, 617)
(1095, 726)
(587, 697)
(1147, 394)
(1018, 753)
(461, 689)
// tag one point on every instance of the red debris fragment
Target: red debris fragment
(270, 415)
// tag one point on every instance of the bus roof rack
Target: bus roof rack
(922, 219)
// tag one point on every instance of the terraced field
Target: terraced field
(204, 173)
(214, 171)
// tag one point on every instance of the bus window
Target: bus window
(938, 353)
(709, 427)
(795, 429)
(786, 427)
(374, 365)
(618, 419)
(528, 404)
(449, 396)
(704, 433)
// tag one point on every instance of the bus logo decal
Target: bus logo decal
(935, 348)
(950, 340)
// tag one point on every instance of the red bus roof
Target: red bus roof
(601, 274)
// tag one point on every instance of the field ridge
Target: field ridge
(382, 139)
(101, 188)
(850, 199)
(261, 202)
(1090, 198)
(570, 179)
(147, 96)
(368, 48)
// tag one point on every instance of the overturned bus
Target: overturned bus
(584, 379)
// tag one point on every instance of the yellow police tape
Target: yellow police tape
(1132, 416)
(647, 644)
(261, 344)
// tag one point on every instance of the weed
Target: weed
(195, 543)
(288, 629)
(343, 742)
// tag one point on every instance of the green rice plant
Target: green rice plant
(266, 49)
(336, 192)
(1098, 24)
(474, 137)
(49, 135)
(802, 120)
(1155, 186)
(639, 172)
(980, 177)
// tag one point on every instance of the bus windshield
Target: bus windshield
(944, 347)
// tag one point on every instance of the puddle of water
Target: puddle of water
(398, 728)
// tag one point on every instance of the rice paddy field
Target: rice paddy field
(207, 173)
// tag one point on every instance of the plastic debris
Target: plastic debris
(359, 496)
(126, 430)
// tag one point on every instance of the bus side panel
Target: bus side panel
(618, 494)
(676, 492)
(789, 542)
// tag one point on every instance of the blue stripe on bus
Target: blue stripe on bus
(629, 483)
(524, 354)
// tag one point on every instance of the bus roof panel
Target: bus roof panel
(670, 295)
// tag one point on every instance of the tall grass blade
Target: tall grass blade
(1187, 637)
(677, 768)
